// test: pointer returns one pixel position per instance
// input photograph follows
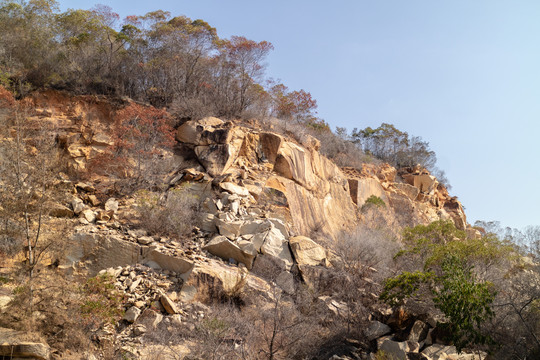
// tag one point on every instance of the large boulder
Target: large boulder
(362, 189)
(191, 131)
(276, 245)
(376, 329)
(307, 251)
(221, 246)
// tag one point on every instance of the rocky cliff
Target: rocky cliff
(265, 198)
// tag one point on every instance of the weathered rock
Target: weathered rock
(13, 347)
(222, 247)
(139, 330)
(88, 215)
(275, 244)
(270, 144)
(132, 314)
(394, 349)
(58, 210)
(150, 319)
(438, 351)
(168, 304)
(191, 131)
(230, 229)
(362, 189)
(254, 227)
(418, 331)
(77, 205)
(376, 329)
(145, 240)
(234, 189)
(412, 192)
(111, 205)
(208, 223)
(307, 251)
(94, 200)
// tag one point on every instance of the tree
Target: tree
(454, 269)
(296, 105)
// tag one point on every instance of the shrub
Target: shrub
(445, 261)
(174, 215)
(103, 304)
(373, 201)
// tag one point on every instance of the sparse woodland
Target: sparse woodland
(161, 199)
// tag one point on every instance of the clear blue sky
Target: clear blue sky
(463, 75)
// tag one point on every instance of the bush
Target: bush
(373, 201)
(103, 303)
(174, 215)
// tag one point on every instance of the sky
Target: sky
(463, 75)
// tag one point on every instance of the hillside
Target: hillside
(128, 236)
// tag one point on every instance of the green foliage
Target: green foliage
(103, 302)
(373, 201)
(464, 300)
(447, 260)
(403, 286)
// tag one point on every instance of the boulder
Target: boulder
(438, 351)
(168, 304)
(275, 244)
(230, 229)
(220, 246)
(395, 350)
(362, 189)
(58, 210)
(77, 205)
(307, 251)
(418, 331)
(234, 189)
(191, 131)
(132, 314)
(410, 191)
(12, 346)
(111, 205)
(376, 329)
(88, 215)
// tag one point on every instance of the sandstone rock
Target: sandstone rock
(438, 351)
(93, 200)
(104, 215)
(168, 304)
(191, 131)
(145, 240)
(394, 349)
(208, 223)
(270, 144)
(77, 205)
(230, 229)
(234, 189)
(307, 251)
(220, 246)
(418, 331)
(88, 215)
(376, 329)
(132, 314)
(412, 192)
(58, 210)
(276, 245)
(254, 227)
(85, 187)
(362, 189)
(111, 205)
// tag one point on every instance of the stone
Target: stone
(230, 229)
(145, 240)
(410, 191)
(139, 330)
(270, 144)
(150, 319)
(58, 210)
(191, 132)
(418, 331)
(254, 227)
(208, 223)
(217, 158)
(132, 314)
(12, 346)
(394, 349)
(168, 304)
(276, 245)
(188, 292)
(376, 329)
(307, 251)
(88, 215)
(362, 189)
(438, 351)
(209, 206)
(234, 189)
(77, 205)
(93, 200)
(221, 246)
(111, 205)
